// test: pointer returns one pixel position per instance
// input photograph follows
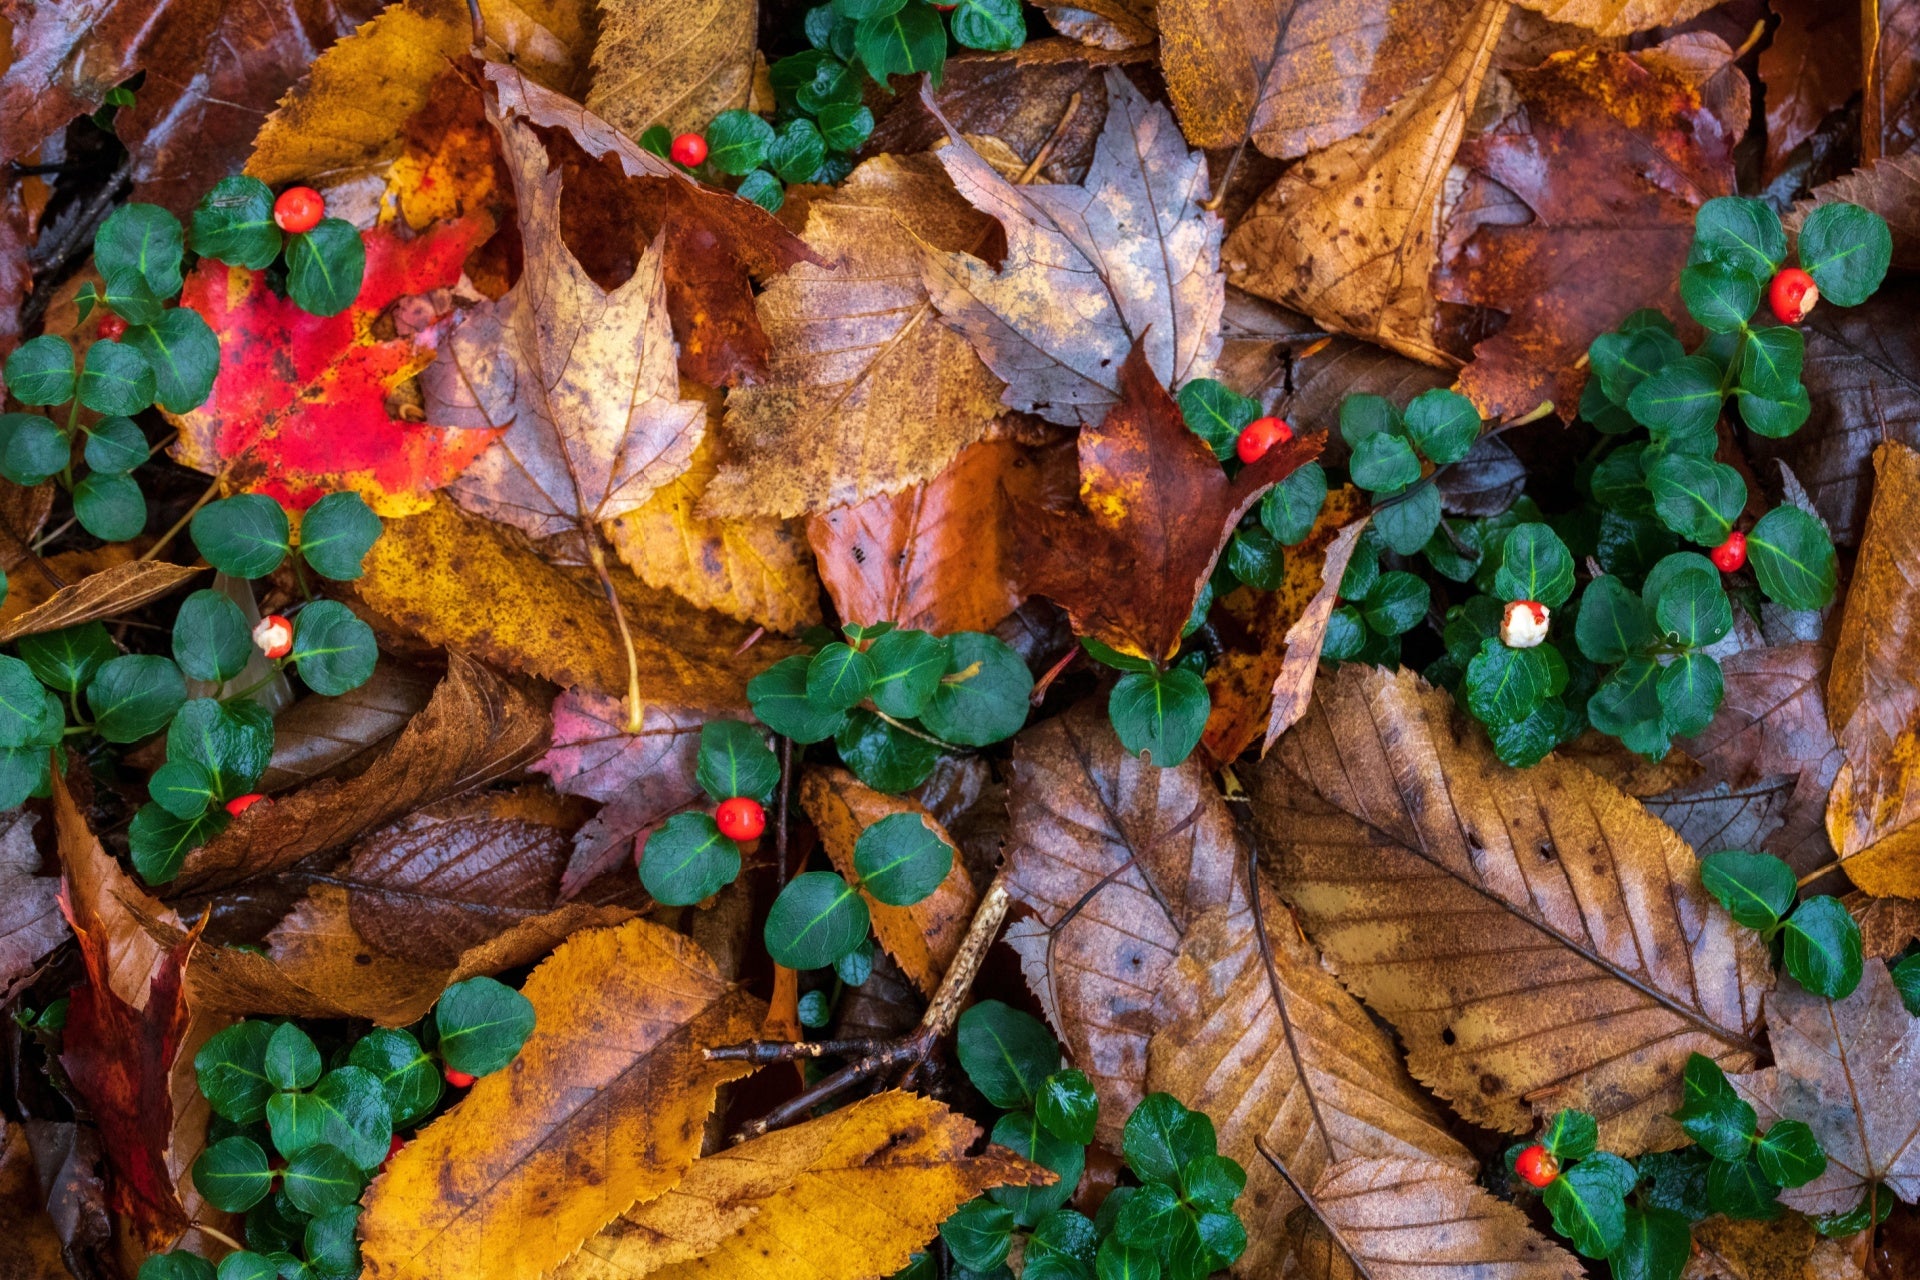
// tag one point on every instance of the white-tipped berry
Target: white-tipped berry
(273, 636)
(1524, 624)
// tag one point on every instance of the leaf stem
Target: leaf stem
(181, 523)
(636, 713)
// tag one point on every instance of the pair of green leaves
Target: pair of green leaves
(249, 535)
(687, 859)
(233, 223)
(216, 751)
(1388, 446)
(819, 917)
(1014, 1061)
(1747, 1167)
(1588, 1202)
(890, 698)
(1820, 940)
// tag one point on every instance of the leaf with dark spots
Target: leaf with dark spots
(1153, 496)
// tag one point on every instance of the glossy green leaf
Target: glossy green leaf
(1398, 603)
(1534, 565)
(232, 1071)
(322, 1177)
(1793, 558)
(734, 760)
(779, 699)
(67, 659)
(900, 860)
(1571, 1135)
(1383, 461)
(412, 1080)
(838, 677)
(817, 918)
(115, 446)
(110, 507)
(1291, 507)
(347, 1109)
(1406, 523)
(1505, 685)
(1740, 232)
(907, 669)
(1256, 558)
(333, 650)
(1007, 1054)
(1692, 608)
(1160, 715)
(1216, 413)
(183, 354)
(996, 25)
(146, 238)
(1789, 1154)
(1588, 1204)
(1443, 424)
(1656, 1245)
(1067, 1105)
(482, 1024)
(885, 758)
(124, 292)
(246, 535)
(1162, 1136)
(116, 379)
(232, 741)
(211, 638)
(292, 1062)
(686, 860)
(178, 1265)
(908, 41)
(1740, 1189)
(1628, 698)
(1771, 361)
(1846, 249)
(738, 142)
(1612, 624)
(1023, 1134)
(1365, 415)
(131, 697)
(332, 1243)
(1713, 1113)
(233, 223)
(1757, 889)
(336, 533)
(983, 697)
(159, 842)
(1680, 398)
(797, 150)
(844, 126)
(40, 371)
(32, 448)
(325, 267)
(1719, 296)
(1622, 361)
(979, 1234)
(232, 1175)
(1822, 948)
(1696, 498)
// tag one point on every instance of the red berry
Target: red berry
(111, 327)
(240, 804)
(458, 1079)
(689, 149)
(1259, 436)
(393, 1149)
(741, 818)
(1792, 294)
(273, 636)
(1731, 554)
(1537, 1165)
(298, 210)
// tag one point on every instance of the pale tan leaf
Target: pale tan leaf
(1286, 1056)
(867, 392)
(677, 66)
(1293, 687)
(603, 1108)
(117, 590)
(1351, 234)
(1128, 255)
(1538, 939)
(1618, 17)
(1409, 1219)
(844, 1197)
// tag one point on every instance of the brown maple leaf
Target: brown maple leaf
(1156, 510)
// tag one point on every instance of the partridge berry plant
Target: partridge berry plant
(243, 224)
(1819, 940)
(1175, 1220)
(293, 1142)
(821, 919)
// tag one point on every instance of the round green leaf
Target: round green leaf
(763, 189)
(116, 379)
(115, 446)
(233, 223)
(125, 293)
(246, 535)
(482, 1024)
(41, 371)
(738, 142)
(178, 1265)
(232, 1071)
(332, 649)
(1291, 507)
(979, 1234)
(1623, 360)
(1212, 1182)
(131, 697)
(817, 918)
(1628, 698)
(147, 239)
(1407, 523)
(211, 638)
(275, 1227)
(1656, 1244)
(332, 1245)
(1255, 557)
(1162, 1136)
(797, 150)
(159, 842)
(1823, 948)
(1397, 603)
(1216, 413)
(1789, 1154)
(1383, 461)
(1690, 690)
(1757, 889)
(1365, 415)
(110, 507)
(336, 533)
(845, 126)
(989, 24)
(325, 266)
(1846, 249)
(900, 860)
(885, 758)
(1613, 623)
(292, 1060)
(734, 761)
(232, 741)
(1571, 1135)
(1346, 635)
(23, 704)
(903, 43)
(347, 1109)
(1588, 1207)
(907, 669)
(1692, 609)
(811, 80)
(1022, 1133)
(778, 696)
(1505, 685)
(1067, 1105)
(232, 1175)
(1775, 417)
(412, 1081)
(984, 694)
(322, 1177)
(1007, 1054)
(1681, 398)
(1793, 558)
(1740, 1189)
(838, 677)
(183, 788)
(244, 1264)
(1720, 297)
(686, 860)
(1444, 424)
(1771, 362)
(32, 448)
(67, 659)
(1535, 565)
(1159, 715)
(184, 356)
(1742, 233)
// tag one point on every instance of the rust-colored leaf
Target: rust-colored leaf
(1810, 68)
(1887, 925)
(107, 594)
(607, 1098)
(1152, 497)
(924, 937)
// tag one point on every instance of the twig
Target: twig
(636, 713)
(181, 523)
(910, 1051)
(780, 819)
(217, 1234)
(1041, 685)
(479, 23)
(1816, 873)
(1045, 152)
(1359, 1263)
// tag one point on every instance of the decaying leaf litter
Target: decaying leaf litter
(959, 640)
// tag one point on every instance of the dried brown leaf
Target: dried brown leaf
(33, 1247)
(1887, 925)
(30, 920)
(1617, 17)
(1810, 68)
(675, 66)
(1293, 686)
(1490, 912)
(1890, 186)
(321, 736)
(109, 593)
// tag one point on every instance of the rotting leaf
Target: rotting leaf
(30, 921)
(122, 588)
(1386, 802)
(676, 68)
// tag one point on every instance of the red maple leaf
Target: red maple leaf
(300, 407)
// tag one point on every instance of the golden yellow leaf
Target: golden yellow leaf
(868, 392)
(426, 573)
(753, 568)
(603, 1108)
(345, 118)
(1538, 939)
(1351, 233)
(844, 1197)
(1872, 702)
(673, 65)
(924, 937)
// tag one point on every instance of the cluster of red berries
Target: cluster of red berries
(1259, 436)
(740, 818)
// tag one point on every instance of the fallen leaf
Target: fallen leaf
(1890, 114)
(1411, 1219)
(1616, 158)
(29, 590)
(1730, 1249)
(30, 920)
(1871, 700)
(1325, 373)
(425, 572)
(34, 1249)
(1107, 24)
(321, 736)
(1890, 187)
(866, 391)
(1153, 496)
(1719, 817)
(1485, 482)
(1253, 630)
(1529, 907)
(299, 408)
(446, 879)
(848, 1195)
(1810, 68)
(602, 1109)
(344, 119)
(1351, 233)
(1126, 259)
(676, 68)
(1887, 925)
(923, 938)
(939, 556)
(752, 568)
(479, 726)
(23, 513)
(641, 778)
(1136, 854)
(1275, 1050)
(107, 594)
(1293, 686)
(74, 1172)
(1618, 17)
(1847, 1068)
(1231, 71)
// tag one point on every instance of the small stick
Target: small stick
(1359, 1264)
(636, 712)
(181, 523)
